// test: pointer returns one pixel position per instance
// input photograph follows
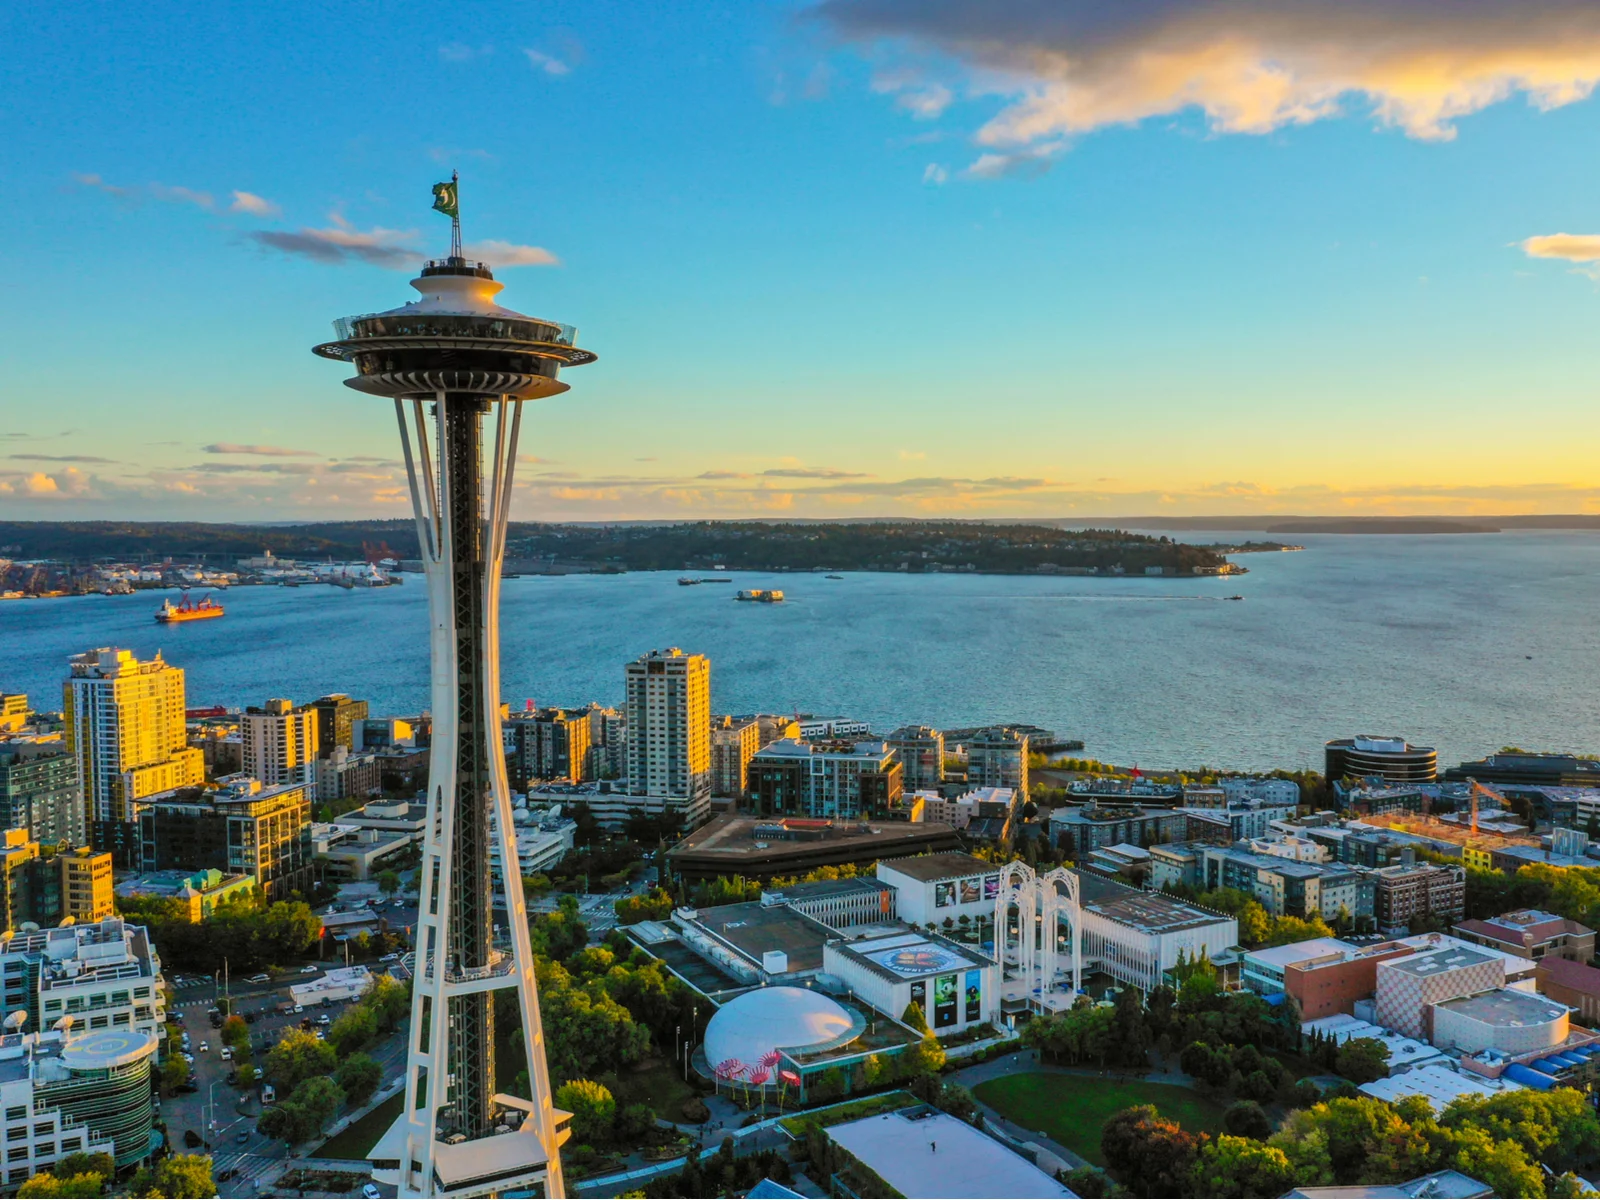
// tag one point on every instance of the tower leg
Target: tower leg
(451, 1086)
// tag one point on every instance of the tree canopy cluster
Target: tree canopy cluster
(246, 930)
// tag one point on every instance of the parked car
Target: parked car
(250, 1017)
(227, 1053)
(244, 1136)
(390, 958)
(262, 978)
(309, 970)
(189, 1088)
(204, 1046)
(299, 1008)
(370, 1192)
(324, 1019)
(321, 1036)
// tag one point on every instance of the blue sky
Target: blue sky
(923, 257)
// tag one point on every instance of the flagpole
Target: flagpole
(455, 220)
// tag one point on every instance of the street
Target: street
(236, 1109)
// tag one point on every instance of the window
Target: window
(52, 1006)
(44, 1148)
(99, 1022)
(17, 1113)
(17, 1133)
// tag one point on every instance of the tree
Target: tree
(1557, 1127)
(177, 1177)
(1089, 1182)
(297, 1057)
(1151, 1155)
(914, 1017)
(593, 1109)
(654, 905)
(174, 1072)
(1237, 1166)
(359, 1076)
(388, 882)
(356, 1028)
(49, 1186)
(1361, 1060)
(1247, 1119)
(587, 1032)
(101, 1164)
(924, 1058)
(235, 1032)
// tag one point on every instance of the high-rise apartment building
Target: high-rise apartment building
(549, 745)
(280, 743)
(921, 752)
(734, 742)
(669, 730)
(825, 780)
(85, 884)
(608, 742)
(39, 792)
(125, 726)
(240, 827)
(13, 711)
(336, 718)
(998, 757)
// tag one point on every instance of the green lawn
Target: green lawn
(1072, 1108)
(360, 1136)
(659, 1084)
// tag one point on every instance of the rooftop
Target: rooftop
(1282, 956)
(925, 1153)
(1437, 962)
(1507, 1007)
(1566, 973)
(1148, 912)
(901, 956)
(755, 928)
(1436, 1083)
(738, 843)
(929, 868)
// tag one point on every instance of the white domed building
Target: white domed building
(754, 1037)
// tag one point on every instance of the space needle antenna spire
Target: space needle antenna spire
(459, 368)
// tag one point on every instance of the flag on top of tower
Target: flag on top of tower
(444, 199)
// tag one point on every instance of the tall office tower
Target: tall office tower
(549, 745)
(125, 725)
(336, 718)
(669, 730)
(39, 792)
(921, 752)
(448, 360)
(237, 826)
(734, 742)
(280, 743)
(998, 757)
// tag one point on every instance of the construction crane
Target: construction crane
(1477, 789)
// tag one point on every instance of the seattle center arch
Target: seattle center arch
(1033, 959)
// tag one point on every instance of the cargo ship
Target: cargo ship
(171, 614)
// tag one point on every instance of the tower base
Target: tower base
(515, 1160)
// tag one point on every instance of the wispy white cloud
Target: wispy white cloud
(548, 63)
(182, 195)
(256, 206)
(90, 180)
(259, 451)
(60, 458)
(1035, 160)
(935, 174)
(510, 254)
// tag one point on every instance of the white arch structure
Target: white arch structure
(1042, 902)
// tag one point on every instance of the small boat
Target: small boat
(833, 576)
(172, 614)
(761, 596)
(1235, 597)
(685, 581)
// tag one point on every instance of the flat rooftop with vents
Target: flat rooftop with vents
(762, 848)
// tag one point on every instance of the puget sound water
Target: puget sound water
(1464, 642)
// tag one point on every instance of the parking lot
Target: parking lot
(221, 1115)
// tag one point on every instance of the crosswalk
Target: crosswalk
(245, 1165)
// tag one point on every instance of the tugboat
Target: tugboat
(172, 614)
(1235, 597)
(762, 596)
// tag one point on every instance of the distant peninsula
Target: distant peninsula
(537, 548)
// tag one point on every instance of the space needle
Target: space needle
(448, 360)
